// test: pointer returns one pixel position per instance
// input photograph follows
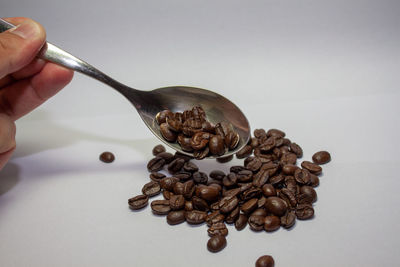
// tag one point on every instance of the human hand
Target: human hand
(25, 81)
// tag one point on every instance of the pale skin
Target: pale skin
(25, 81)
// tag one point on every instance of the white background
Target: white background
(325, 72)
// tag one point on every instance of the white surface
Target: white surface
(326, 72)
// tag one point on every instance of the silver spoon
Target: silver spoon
(149, 103)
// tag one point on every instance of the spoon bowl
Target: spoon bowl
(149, 103)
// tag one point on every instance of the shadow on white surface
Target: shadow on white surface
(9, 177)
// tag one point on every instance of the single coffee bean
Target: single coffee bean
(259, 212)
(225, 159)
(151, 189)
(304, 211)
(201, 154)
(167, 194)
(265, 261)
(216, 145)
(158, 149)
(256, 222)
(244, 176)
(216, 243)
(200, 140)
(160, 207)
(107, 157)
(192, 126)
(277, 152)
(233, 215)
(184, 142)
(207, 127)
(288, 196)
(314, 180)
(188, 189)
(200, 204)
(215, 206)
(245, 186)
(259, 133)
(269, 190)
(309, 193)
(208, 193)
(232, 192)
(296, 149)
(253, 142)
(161, 116)
(249, 206)
(167, 133)
(312, 167)
(168, 183)
(188, 205)
(261, 202)
(288, 158)
(216, 184)
(321, 157)
(244, 152)
(275, 133)
(276, 206)
(214, 217)
(252, 163)
(302, 176)
(179, 155)
(227, 204)
(174, 124)
(230, 180)
(276, 179)
(260, 180)
(195, 216)
(218, 229)
(177, 202)
(155, 164)
(168, 157)
(231, 140)
(176, 165)
(272, 223)
(183, 176)
(241, 222)
(138, 202)
(156, 176)
(289, 169)
(190, 167)
(217, 175)
(236, 168)
(253, 192)
(176, 217)
(268, 145)
(200, 177)
(288, 220)
(178, 188)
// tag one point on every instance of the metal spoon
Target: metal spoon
(149, 103)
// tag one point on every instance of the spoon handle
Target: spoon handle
(58, 56)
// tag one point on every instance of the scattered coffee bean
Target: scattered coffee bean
(151, 189)
(176, 217)
(158, 149)
(156, 176)
(155, 164)
(311, 167)
(321, 157)
(216, 243)
(107, 157)
(241, 222)
(138, 202)
(218, 228)
(265, 261)
(160, 207)
(225, 159)
(244, 152)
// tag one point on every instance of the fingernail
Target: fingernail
(26, 30)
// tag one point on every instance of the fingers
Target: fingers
(20, 45)
(25, 95)
(7, 139)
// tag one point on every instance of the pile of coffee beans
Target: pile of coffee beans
(191, 130)
(267, 192)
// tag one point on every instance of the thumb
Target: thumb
(20, 45)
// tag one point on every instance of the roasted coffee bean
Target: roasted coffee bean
(271, 223)
(176, 217)
(160, 207)
(177, 202)
(230, 180)
(244, 152)
(217, 175)
(311, 167)
(276, 179)
(304, 211)
(179, 155)
(270, 167)
(167, 133)
(288, 220)
(138, 202)
(236, 168)
(176, 165)
(233, 215)
(321, 157)
(168, 157)
(151, 189)
(185, 142)
(268, 145)
(259, 212)
(158, 149)
(289, 169)
(241, 222)
(269, 190)
(198, 112)
(200, 177)
(232, 192)
(207, 127)
(201, 154)
(314, 180)
(277, 152)
(188, 205)
(188, 189)
(284, 149)
(302, 176)
(216, 145)
(231, 140)
(261, 202)
(219, 130)
(168, 183)
(178, 188)
(276, 206)
(183, 176)
(200, 204)
(309, 192)
(200, 140)
(227, 204)
(244, 176)
(225, 159)
(214, 217)
(288, 158)
(192, 126)
(265, 261)
(275, 133)
(288, 196)
(156, 176)
(258, 133)
(190, 167)
(208, 193)
(260, 180)
(107, 157)
(249, 206)
(214, 206)
(161, 116)
(253, 142)
(216, 184)
(253, 192)
(296, 149)
(174, 124)
(245, 186)
(155, 164)
(167, 194)
(195, 216)
(218, 229)
(256, 222)
(216, 243)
